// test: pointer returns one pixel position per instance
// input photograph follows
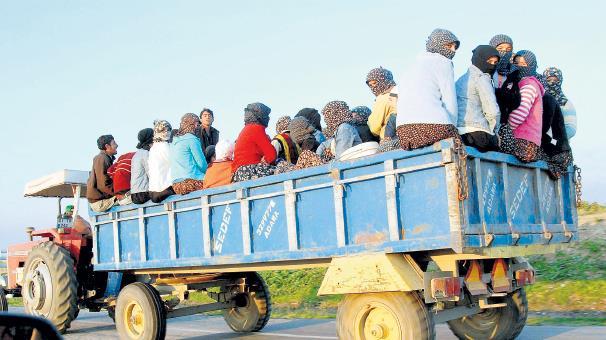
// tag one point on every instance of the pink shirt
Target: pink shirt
(527, 120)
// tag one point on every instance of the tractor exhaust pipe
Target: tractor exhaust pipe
(29, 231)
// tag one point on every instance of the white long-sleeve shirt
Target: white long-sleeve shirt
(427, 92)
(159, 167)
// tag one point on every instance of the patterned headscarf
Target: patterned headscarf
(384, 79)
(531, 61)
(312, 116)
(501, 39)
(300, 129)
(360, 114)
(257, 113)
(282, 124)
(437, 41)
(555, 87)
(335, 113)
(504, 64)
(162, 131)
(190, 123)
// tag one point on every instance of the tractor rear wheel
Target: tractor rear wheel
(50, 286)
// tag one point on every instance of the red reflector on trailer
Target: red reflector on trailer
(446, 287)
(524, 277)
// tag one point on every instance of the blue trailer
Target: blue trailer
(411, 238)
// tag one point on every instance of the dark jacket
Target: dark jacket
(207, 139)
(365, 134)
(508, 96)
(99, 185)
(553, 119)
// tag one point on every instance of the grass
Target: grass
(588, 208)
(567, 296)
(576, 321)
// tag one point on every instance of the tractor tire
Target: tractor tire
(3, 301)
(140, 313)
(495, 323)
(253, 309)
(387, 315)
(50, 287)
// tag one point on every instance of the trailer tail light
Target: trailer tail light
(473, 279)
(501, 282)
(524, 277)
(446, 288)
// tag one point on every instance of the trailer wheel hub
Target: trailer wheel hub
(379, 322)
(134, 319)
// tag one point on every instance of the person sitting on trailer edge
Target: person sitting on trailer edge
(427, 106)
(160, 183)
(340, 130)
(99, 187)
(381, 83)
(286, 149)
(219, 171)
(120, 174)
(504, 46)
(187, 161)
(360, 117)
(313, 117)
(478, 112)
(139, 180)
(302, 133)
(253, 153)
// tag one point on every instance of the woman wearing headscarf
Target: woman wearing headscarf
(254, 154)
(301, 132)
(381, 83)
(478, 112)
(554, 78)
(361, 116)
(139, 179)
(504, 45)
(160, 181)
(286, 149)
(219, 172)
(520, 133)
(340, 131)
(427, 106)
(187, 161)
(314, 119)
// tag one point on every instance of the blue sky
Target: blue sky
(73, 70)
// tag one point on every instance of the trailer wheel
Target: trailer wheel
(253, 308)
(495, 323)
(3, 301)
(140, 313)
(50, 285)
(388, 315)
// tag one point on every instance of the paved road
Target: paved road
(91, 326)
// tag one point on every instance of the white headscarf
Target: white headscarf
(224, 151)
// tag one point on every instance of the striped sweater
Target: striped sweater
(527, 120)
(120, 173)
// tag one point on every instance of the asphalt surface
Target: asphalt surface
(91, 326)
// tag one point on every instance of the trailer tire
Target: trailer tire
(253, 308)
(387, 315)
(3, 301)
(49, 270)
(140, 313)
(495, 323)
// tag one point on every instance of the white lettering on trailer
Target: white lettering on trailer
(519, 196)
(490, 190)
(218, 246)
(268, 220)
(547, 196)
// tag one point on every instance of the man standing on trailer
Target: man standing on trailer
(99, 187)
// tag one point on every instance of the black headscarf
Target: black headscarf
(146, 138)
(480, 57)
(312, 115)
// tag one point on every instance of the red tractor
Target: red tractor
(53, 271)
